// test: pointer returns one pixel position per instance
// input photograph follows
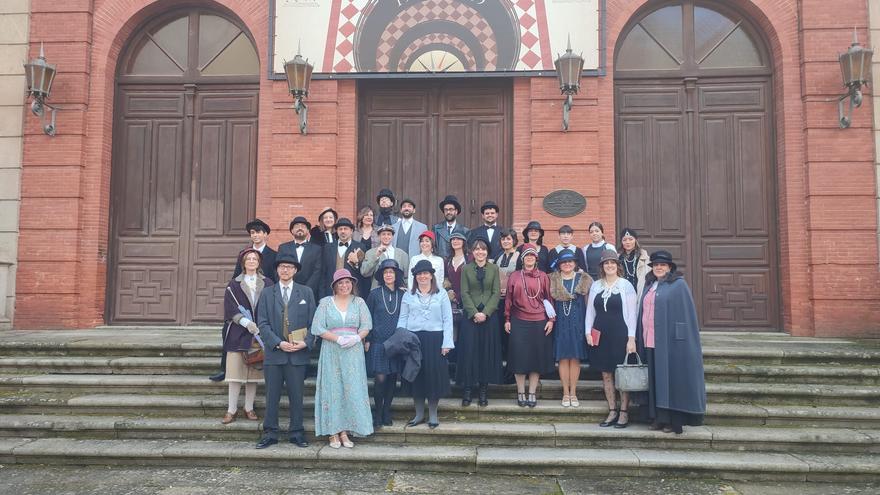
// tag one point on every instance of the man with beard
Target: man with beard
(386, 216)
(307, 253)
(344, 253)
(407, 230)
(451, 209)
(489, 230)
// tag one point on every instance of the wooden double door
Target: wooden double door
(426, 139)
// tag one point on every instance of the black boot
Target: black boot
(484, 395)
(466, 397)
(390, 385)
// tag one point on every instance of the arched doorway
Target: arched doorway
(184, 167)
(694, 155)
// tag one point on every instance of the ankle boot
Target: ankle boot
(484, 395)
(466, 397)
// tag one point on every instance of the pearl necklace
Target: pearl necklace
(630, 272)
(426, 306)
(391, 297)
(566, 310)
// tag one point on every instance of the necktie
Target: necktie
(285, 324)
(450, 230)
(286, 295)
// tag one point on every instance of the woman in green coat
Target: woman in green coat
(479, 343)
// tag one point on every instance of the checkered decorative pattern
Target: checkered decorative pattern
(449, 10)
(530, 36)
(349, 15)
(470, 62)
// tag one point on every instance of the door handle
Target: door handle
(473, 207)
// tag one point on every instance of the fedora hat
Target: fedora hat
(342, 274)
(384, 265)
(257, 224)
(450, 200)
(302, 220)
(290, 260)
(663, 256)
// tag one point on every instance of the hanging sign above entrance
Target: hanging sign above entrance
(398, 37)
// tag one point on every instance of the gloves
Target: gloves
(253, 328)
(346, 341)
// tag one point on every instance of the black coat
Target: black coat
(405, 345)
(678, 355)
(328, 263)
(267, 265)
(310, 274)
(316, 235)
(494, 242)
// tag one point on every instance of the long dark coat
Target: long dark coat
(678, 355)
(237, 337)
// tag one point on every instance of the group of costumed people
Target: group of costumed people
(528, 312)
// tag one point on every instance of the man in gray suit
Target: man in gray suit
(284, 309)
(407, 230)
(384, 251)
(451, 209)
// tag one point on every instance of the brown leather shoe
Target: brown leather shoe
(229, 418)
(251, 415)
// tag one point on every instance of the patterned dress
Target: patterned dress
(342, 402)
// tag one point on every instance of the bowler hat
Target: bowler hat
(422, 266)
(384, 265)
(290, 260)
(257, 224)
(408, 200)
(609, 255)
(302, 220)
(533, 225)
(450, 200)
(343, 222)
(489, 204)
(385, 193)
(342, 274)
(662, 256)
(384, 227)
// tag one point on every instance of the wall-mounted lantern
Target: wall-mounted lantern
(299, 75)
(855, 67)
(568, 69)
(39, 76)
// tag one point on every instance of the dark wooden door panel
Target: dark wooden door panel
(434, 139)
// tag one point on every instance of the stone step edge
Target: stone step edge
(614, 462)
(183, 381)
(497, 406)
(710, 436)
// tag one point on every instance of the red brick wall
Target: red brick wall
(827, 222)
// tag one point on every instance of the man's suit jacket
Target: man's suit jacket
(329, 266)
(300, 311)
(441, 230)
(267, 265)
(494, 242)
(416, 229)
(310, 274)
(371, 262)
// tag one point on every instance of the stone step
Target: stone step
(554, 434)
(801, 394)
(213, 406)
(462, 459)
(151, 365)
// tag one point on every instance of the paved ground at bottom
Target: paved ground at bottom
(95, 480)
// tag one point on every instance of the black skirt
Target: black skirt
(611, 350)
(432, 382)
(665, 416)
(530, 351)
(479, 352)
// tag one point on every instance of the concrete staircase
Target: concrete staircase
(779, 408)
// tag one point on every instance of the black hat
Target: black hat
(489, 204)
(257, 224)
(450, 200)
(533, 225)
(385, 264)
(335, 215)
(566, 229)
(343, 222)
(479, 238)
(302, 220)
(663, 257)
(408, 200)
(422, 266)
(628, 231)
(286, 258)
(385, 193)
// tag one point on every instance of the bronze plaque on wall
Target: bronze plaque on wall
(564, 203)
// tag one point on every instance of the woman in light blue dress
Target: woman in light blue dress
(342, 403)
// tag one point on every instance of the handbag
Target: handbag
(631, 377)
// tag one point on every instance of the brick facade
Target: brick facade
(826, 208)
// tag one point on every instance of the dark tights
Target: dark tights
(383, 394)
